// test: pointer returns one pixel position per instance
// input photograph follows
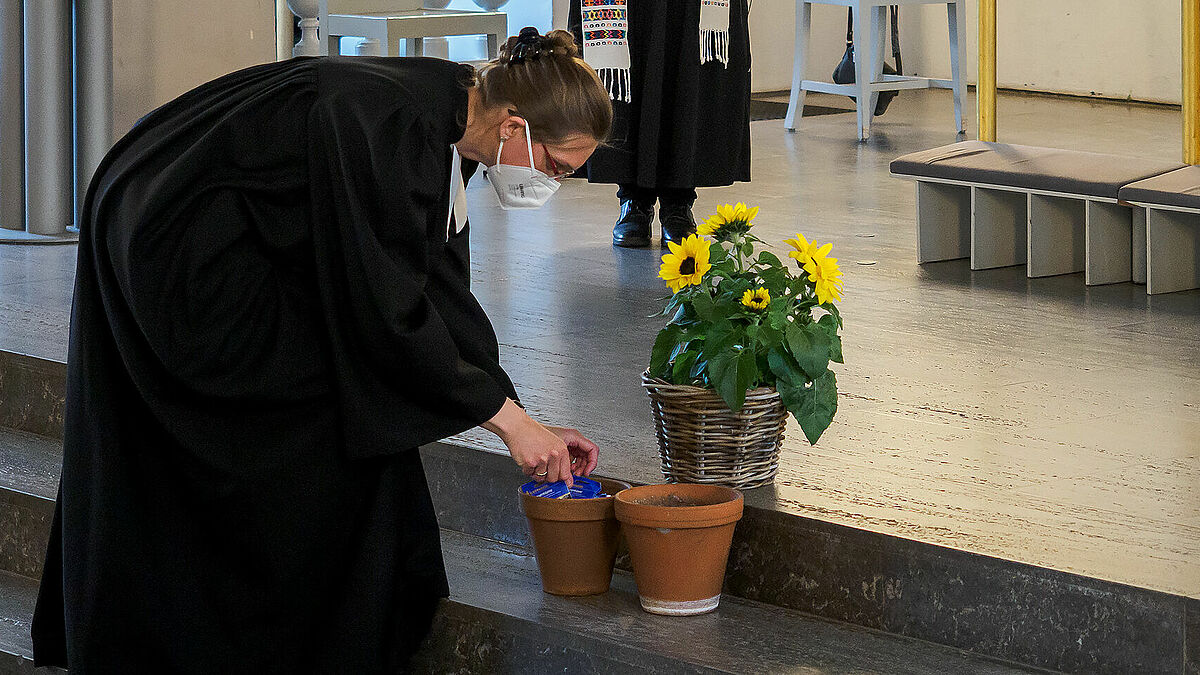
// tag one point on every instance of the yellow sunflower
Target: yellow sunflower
(757, 299)
(825, 273)
(803, 251)
(730, 220)
(686, 264)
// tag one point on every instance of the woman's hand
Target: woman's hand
(537, 450)
(584, 453)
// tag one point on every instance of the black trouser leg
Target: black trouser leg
(644, 196)
(675, 213)
(676, 197)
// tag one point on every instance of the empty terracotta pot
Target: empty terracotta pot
(679, 537)
(575, 540)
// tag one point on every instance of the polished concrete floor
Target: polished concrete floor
(1034, 420)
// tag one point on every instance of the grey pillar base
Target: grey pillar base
(21, 237)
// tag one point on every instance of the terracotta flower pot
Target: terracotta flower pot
(679, 537)
(575, 540)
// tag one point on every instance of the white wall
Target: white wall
(1110, 48)
(772, 34)
(162, 48)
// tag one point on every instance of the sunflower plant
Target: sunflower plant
(742, 318)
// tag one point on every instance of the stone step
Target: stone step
(1007, 610)
(29, 468)
(499, 621)
(741, 636)
(32, 394)
(18, 595)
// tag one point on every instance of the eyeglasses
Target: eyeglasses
(558, 169)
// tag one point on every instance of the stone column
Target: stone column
(12, 116)
(49, 179)
(93, 90)
(284, 31)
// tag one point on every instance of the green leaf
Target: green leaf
(835, 348)
(722, 371)
(794, 397)
(752, 333)
(720, 337)
(817, 407)
(716, 253)
(660, 354)
(679, 348)
(775, 280)
(703, 305)
(809, 345)
(769, 336)
(778, 317)
(732, 373)
(832, 309)
(676, 303)
(748, 368)
(786, 370)
(682, 367)
(722, 270)
(829, 323)
(768, 258)
(747, 249)
(728, 306)
(727, 285)
(680, 315)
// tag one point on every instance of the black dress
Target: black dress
(268, 320)
(687, 125)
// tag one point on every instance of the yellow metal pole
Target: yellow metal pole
(1191, 81)
(985, 90)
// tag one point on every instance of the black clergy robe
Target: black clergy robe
(688, 124)
(268, 320)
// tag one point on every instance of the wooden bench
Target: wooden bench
(1169, 208)
(1055, 211)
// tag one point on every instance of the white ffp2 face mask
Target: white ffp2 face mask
(520, 187)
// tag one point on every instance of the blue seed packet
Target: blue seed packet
(583, 488)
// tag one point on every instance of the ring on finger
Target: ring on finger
(544, 473)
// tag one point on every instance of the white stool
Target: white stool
(869, 79)
(391, 22)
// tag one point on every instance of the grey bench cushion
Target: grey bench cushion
(1179, 188)
(1026, 167)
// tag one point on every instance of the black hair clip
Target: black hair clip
(528, 47)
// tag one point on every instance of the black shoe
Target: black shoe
(633, 227)
(677, 223)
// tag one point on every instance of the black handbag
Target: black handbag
(844, 73)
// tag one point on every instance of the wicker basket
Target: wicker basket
(700, 440)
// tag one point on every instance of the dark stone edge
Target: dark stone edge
(1191, 637)
(465, 638)
(32, 394)
(14, 664)
(470, 639)
(1002, 609)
